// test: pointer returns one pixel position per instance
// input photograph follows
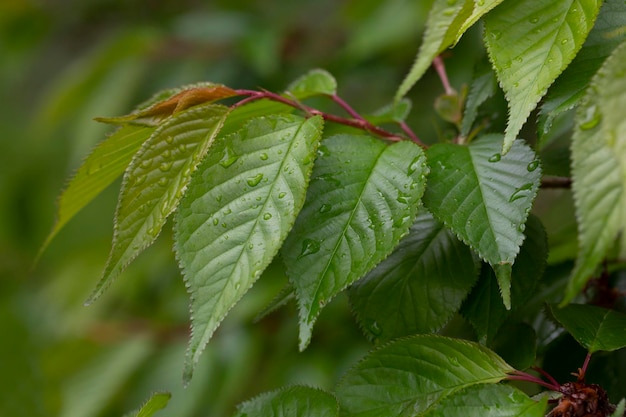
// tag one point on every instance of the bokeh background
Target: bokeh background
(64, 62)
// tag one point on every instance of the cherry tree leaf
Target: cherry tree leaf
(599, 169)
(238, 210)
(363, 198)
(103, 166)
(595, 328)
(484, 198)
(313, 83)
(296, 401)
(429, 274)
(412, 376)
(154, 183)
(530, 43)
(156, 402)
(483, 87)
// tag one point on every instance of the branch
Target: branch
(556, 182)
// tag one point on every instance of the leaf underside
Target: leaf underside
(529, 44)
(239, 207)
(363, 198)
(428, 275)
(412, 375)
(484, 198)
(295, 401)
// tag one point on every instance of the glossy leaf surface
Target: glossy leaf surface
(428, 276)
(237, 211)
(296, 401)
(530, 43)
(363, 198)
(412, 376)
(484, 198)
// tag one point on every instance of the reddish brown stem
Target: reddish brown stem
(523, 376)
(441, 71)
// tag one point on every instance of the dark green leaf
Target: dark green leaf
(154, 183)
(484, 198)
(516, 344)
(483, 87)
(239, 207)
(296, 401)
(428, 276)
(363, 198)
(313, 83)
(595, 328)
(413, 375)
(530, 43)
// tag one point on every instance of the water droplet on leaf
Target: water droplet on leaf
(254, 181)
(496, 157)
(169, 139)
(263, 156)
(165, 166)
(267, 216)
(592, 118)
(228, 158)
(325, 208)
(521, 192)
(146, 163)
(309, 247)
(533, 166)
(162, 182)
(282, 195)
(414, 165)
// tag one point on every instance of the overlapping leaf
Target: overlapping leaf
(313, 83)
(447, 21)
(484, 308)
(483, 87)
(569, 88)
(239, 207)
(363, 198)
(296, 401)
(413, 375)
(428, 276)
(530, 43)
(595, 328)
(106, 163)
(154, 183)
(599, 168)
(484, 198)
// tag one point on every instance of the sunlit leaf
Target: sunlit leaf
(296, 401)
(239, 207)
(363, 198)
(484, 198)
(530, 43)
(488, 401)
(595, 328)
(157, 402)
(106, 163)
(154, 183)
(599, 168)
(416, 374)
(313, 83)
(428, 276)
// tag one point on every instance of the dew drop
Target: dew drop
(143, 208)
(165, 166)
(495, 157)
(228, 158)
(215, 221)
(453, 361)
(325, 208)
(167, 154)
(521, 192)
(146, 163)
(591, 119)
(237, 286)
(480, 3)
(152, 232)
(496, 34)
(227, 211)
(519, 59)
(254, 181)
(403, 198)
(162, 182)
(182, 148)
(282, 195)
(267, 216)
(414, 165)
(224, 225)
(309, 247)
(564, 41)
(263, 156)
(140, 179)
(219, 198)
(375, 329)
(532, 166)
(534, 20)
(169, 139)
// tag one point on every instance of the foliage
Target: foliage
(300, 200)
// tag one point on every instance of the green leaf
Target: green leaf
(413, 375)
(363, 198)
(530, 43)
(157, 402)
(599, 169)
(570, 87)
(238, 210)
(154, 183)
(313, 83)
(483, 86)
(595, 328)
(107, 162)
(428, 275)
(619, 410)
(489, 401)
(516, 343)
(296, 401)
(284, 296)
(484, 308)
(396, 112)
(484, 198)
(447, 22)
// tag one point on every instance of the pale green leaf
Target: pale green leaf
(239, 208)
(595, 328)
(619, 410)
(157, 402)
(154, 183)
(530, 43)
(296, 401)
(484, 198)
(363, 198)
(313, 83)
(607, 33)
(412, 375)
(428, 275)
(488, 401)
(481, 8)
(599, 169)
(107, 162)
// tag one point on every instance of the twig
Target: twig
(441, 71)
(556, 182)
